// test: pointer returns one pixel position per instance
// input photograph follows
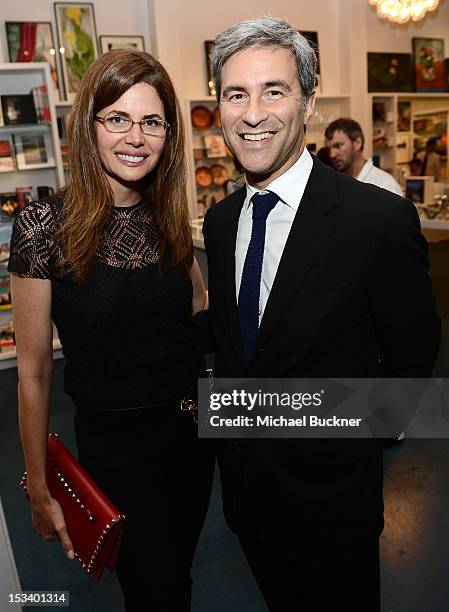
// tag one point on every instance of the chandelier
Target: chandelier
(400, 11)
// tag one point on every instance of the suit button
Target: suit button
(260, 350)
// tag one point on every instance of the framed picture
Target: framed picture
(419, 189)
(390, 72)
(209, 47)
(5, 239)
(403, 148)
(8, 207)
(404, 115)
(32, 41)
(312, 38)
(33, 150)
(214, 145)
(431, 125)
(428, 57)
(75, 24)
(135, 43)
(18, 109)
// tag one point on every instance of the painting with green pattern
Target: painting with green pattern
(77, 40)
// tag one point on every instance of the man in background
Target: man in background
(431, 161)
(415, 166)
(344, 140)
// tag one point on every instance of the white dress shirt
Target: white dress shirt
(290, 188)
(371, 174)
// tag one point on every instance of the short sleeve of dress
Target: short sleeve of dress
(30, 251)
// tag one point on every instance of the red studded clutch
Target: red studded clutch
(94, 524)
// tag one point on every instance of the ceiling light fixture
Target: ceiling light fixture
(401, 11)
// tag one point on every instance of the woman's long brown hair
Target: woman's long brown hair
(88, 198)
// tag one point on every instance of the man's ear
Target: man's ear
(310, 105)
(357, 143)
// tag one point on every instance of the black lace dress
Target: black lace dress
(124, 333)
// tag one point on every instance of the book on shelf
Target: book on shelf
(24, 196)
(9, 205)
(5, 284)
(7, 335)
(2, 121)
(6, 155)
(63, 126)
(41, 104)
(5, 239)
(65, 155)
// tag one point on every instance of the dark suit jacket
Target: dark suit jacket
(352, 298)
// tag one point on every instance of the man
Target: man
(415, 166)
(431, 161)
(344, 141)
(332, 299)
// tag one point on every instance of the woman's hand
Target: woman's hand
(200, 296)
(49, 523)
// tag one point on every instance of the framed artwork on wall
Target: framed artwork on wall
(77, 36)
(32, 41)
(390, 72)
(109, 42)
(312, 38)
(428, 58)
(209, 47)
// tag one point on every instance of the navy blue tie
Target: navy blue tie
(249, 294)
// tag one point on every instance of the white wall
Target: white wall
(182, 27)
(111, 16)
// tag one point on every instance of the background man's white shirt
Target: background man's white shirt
(370, 174)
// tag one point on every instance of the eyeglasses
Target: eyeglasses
(118, 124)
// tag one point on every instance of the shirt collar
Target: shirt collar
(365, 169)
(290, 185)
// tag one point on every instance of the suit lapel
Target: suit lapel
(235, 204)
(309, 233)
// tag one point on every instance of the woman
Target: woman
(108, 260)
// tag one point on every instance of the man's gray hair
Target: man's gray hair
(265, 32)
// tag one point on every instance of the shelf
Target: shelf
(9, 360)
(331, 96)
(29, 127)
(409, 94)
(52, 167)
(437, 224)
(19, 78)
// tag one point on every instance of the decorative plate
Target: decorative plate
(202, 118)
(203, 176)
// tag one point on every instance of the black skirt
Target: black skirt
(151, 464)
